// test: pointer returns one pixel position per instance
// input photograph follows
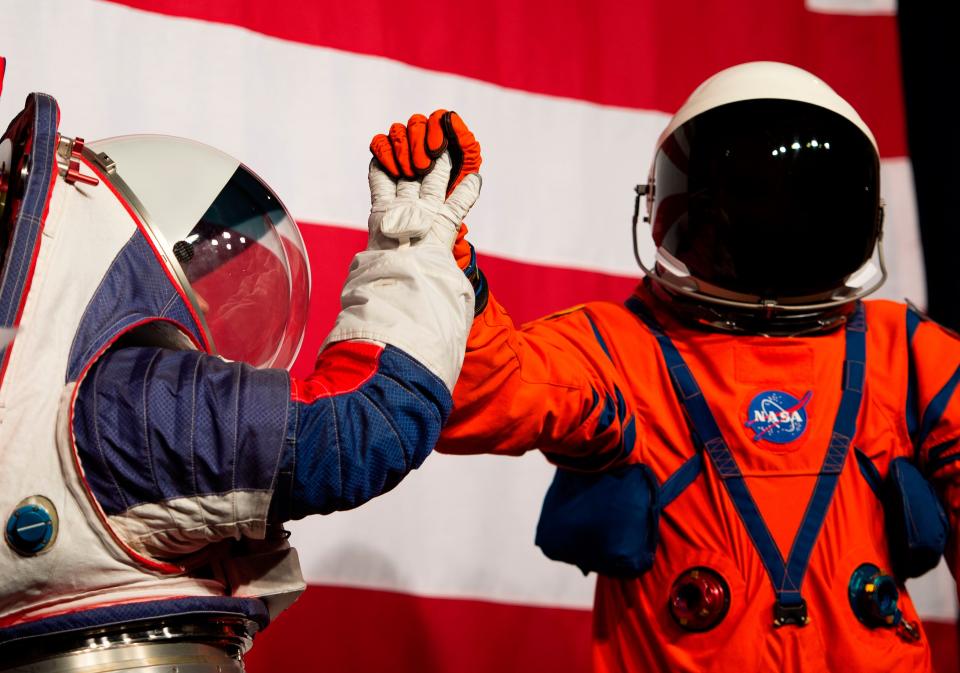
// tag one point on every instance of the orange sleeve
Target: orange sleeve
(549, 385)
(933, 416)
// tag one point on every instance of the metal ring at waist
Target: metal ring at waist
(189, 644)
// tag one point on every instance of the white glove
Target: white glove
(414, 211)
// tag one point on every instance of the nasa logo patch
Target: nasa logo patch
(777, 416)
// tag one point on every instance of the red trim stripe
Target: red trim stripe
(342, 368)
(647, 55)
(348, 629)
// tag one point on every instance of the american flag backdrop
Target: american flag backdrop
(567, 100)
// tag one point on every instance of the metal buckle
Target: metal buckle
(790, 615)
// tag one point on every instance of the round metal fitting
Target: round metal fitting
(699, 599)
(32, 527)
(874, 596)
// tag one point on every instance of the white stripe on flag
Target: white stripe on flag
(558, 174)
(860, 7)
(460, 526)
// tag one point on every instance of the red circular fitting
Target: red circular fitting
(699, 599)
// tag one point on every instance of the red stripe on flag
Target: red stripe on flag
(528, 291)
(363, 631)
(944, 642)
(646, 55)
(367, 631)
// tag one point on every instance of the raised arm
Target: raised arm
(551, 384)
(194, 449)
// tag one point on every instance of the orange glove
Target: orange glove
(409, 151)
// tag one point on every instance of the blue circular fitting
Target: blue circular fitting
(874, 596)
(30, 529)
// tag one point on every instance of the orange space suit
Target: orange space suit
(751, 457)
(553, 384)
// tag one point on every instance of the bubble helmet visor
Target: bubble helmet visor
(764, 202)
(225, 236)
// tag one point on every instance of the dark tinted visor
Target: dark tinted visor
(773, 198)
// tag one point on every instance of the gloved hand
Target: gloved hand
(411, 150)
(416, 211)
(405, 290)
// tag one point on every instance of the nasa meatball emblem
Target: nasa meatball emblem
(777, 416)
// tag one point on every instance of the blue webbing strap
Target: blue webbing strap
(26, 231)
(678, 482)
(786, 577)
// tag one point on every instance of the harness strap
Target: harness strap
(678, 482)
(786, 576)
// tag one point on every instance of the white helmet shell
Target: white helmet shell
(763, 79)
(224, 235)
(763, 199)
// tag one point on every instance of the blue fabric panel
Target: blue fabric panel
(913, 322)
(40, 114)
(481, 293)
(628, 437)
(207, 606)
(937, 406)
(607, 415)
(471, 267)
(135, 288)
(678, 482)
(628, 430)
(357, 445)
(481, 290)
(154, 424)
(596, 333)
(869, 472)
(593, 404)
(604, 522)
(621, 405)
(912, 412)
